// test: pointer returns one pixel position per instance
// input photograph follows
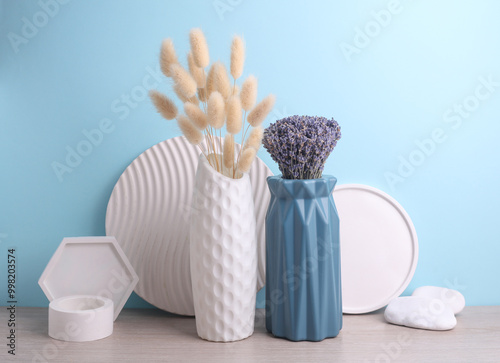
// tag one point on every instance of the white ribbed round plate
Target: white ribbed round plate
(148, 213)
(379, 247)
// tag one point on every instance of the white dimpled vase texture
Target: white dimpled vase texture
(223, 254)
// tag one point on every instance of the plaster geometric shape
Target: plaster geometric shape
(89, 266)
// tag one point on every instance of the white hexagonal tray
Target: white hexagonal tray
(89, 266)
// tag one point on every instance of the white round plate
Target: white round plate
(379, 247)
(148, 213)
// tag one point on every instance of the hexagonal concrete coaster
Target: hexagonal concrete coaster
(89, 266)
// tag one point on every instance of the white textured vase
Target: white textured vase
(223, 254)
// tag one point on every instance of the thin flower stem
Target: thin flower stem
(210, 130)
(220, 152)
(208, 138)
(243, 133)
(234, 166)
(234, 146)
(214, 146)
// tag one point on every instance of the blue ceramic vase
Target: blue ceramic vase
(303, 285)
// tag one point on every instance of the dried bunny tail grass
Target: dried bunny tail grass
(193, 135)
(179, 94)
(183, 80)
(260, 112)
(246, 159)
(199, 47)
(216, 110)
(255, 139)
(183, 98)
(210, 87)
(202, 94)
(194, 100)
(164, 105)
(221, 80)
(167, 56)
(233, 111)
(228, 153)
(237, 57)
(248, 93)
(197, 72)
(197, 116)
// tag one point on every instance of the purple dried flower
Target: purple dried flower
(301, 144)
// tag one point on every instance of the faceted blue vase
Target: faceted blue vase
(303, 285)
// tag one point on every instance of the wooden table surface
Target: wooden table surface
(149, 335)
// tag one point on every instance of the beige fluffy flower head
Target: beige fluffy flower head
(237, 57)
(183, 80)
(255, 139)
(164, 105)
(260, 112)
(233, 111)
(246, 160)
(216, 110)
(199, 48)
(221, 80)
(191, 132)
(196, 115)
(197, 72)
(248, 93)
(167, 56)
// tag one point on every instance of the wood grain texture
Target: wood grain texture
(155, 336)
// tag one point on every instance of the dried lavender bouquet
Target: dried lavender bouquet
(301, 144)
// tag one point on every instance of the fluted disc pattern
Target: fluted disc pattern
(148, 213)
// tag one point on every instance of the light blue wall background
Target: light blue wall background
(400, 86)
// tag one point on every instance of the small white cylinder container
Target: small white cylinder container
(81, 318)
